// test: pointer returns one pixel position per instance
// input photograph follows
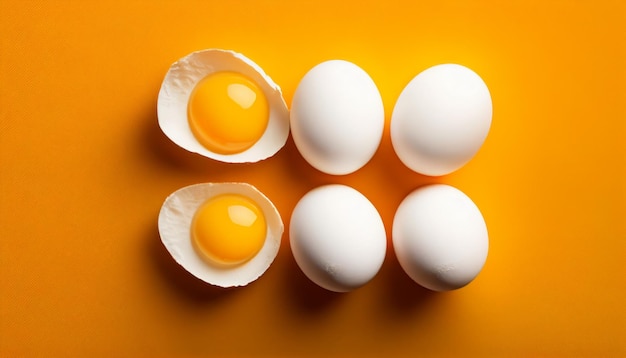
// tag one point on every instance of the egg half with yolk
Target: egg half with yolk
(226, 234)
(221, 105)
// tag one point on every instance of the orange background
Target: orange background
(85, 168)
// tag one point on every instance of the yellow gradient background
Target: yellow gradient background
(84, 169)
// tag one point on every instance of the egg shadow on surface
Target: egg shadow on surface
(177, 278)
(395, 172)
(307, 297)
(303, 172)
(165, 153)
(402, 295)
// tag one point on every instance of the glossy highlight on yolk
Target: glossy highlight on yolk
(227, 112)
(229, 229)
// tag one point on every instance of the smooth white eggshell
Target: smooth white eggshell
(337, 117)
(174, 224)
(441, 119)
(440, 237)
(337, 237)
(182, 78)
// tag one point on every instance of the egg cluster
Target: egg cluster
(221, 105)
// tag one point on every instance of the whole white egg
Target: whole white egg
(440, 237)
(441, 119)
(337, 237)
(337, 117)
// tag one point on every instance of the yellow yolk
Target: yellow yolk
(227, 112)
(229, 229)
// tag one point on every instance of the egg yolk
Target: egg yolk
(227, 112)
(229, 229)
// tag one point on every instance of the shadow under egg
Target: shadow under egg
(402, 295)
(305, 296)
(172, 158)
(298, 169)
(177, 279)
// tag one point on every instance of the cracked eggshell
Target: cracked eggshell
(174, 224)
(182, 78)
(440, 237)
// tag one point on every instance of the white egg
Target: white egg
(441, 119)
(440, 237)
(337, 117)
(175, 228)
(337, 237)
(183, 77)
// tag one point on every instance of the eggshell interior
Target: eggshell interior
(174, 224)
(182, 78)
